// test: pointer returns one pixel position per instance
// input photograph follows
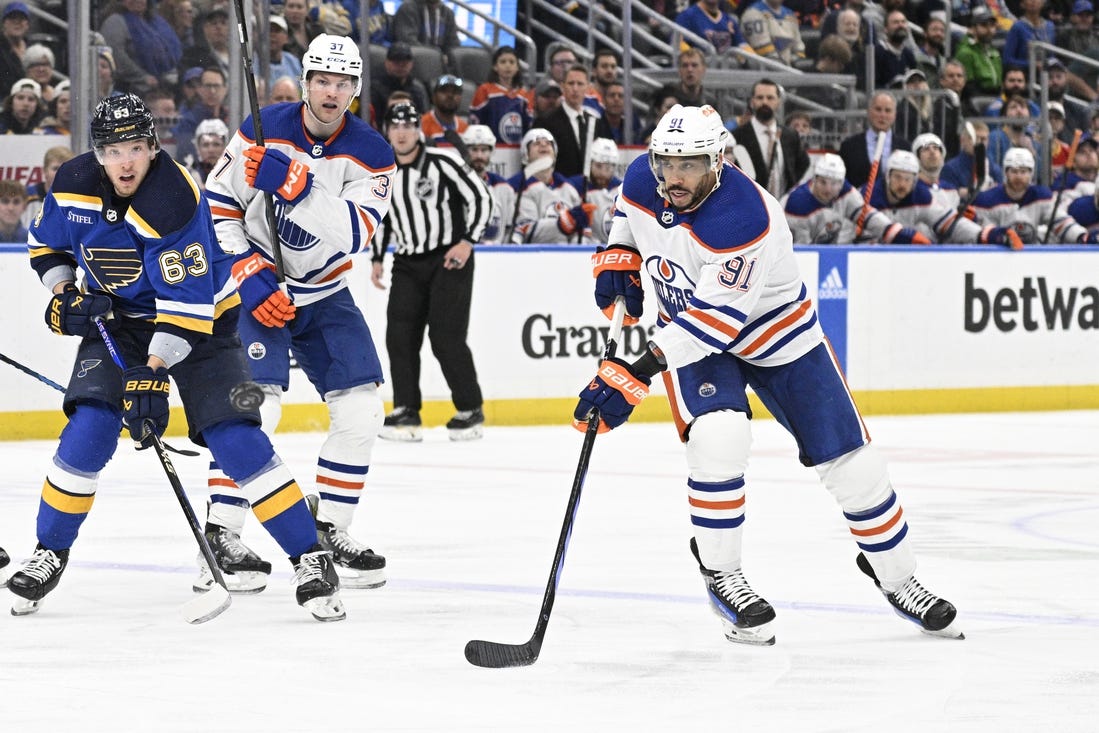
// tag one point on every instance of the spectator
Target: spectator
(180, 17)
(13, 201)
(605, 71)
(614, 112)
(689, 90)
(833, 57)
(209, 105)
(773, 155)
(931, 51)
(893, 56)
(1076, 115)
(285, 89)
(36, 192)
(15, 21)
(863, 31)
(104, 72)
(547, 97)
(301, 28)
(212, 46)
(773, 31)
(397, 76)
(481, 142)
(559, 59)
(983, 64)
(281, 61)
(38, 61)
(706, 18)
(211, 137)
(1031, 26)
(190, 85)
(1015, 132)
(1014, 85)
(1080, 36)
(802, 123)
(914, 108)
(548, 205)
(954, 79)
(574, 125)
(502, 103)
(960, 172)
(147, 51)
(379, 24)
(59, 112)
(23, 108)
(854, 32)
(446, 97)
(857, 150)
(662, 102)
(426, 23)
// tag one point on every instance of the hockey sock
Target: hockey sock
(228, 507)
(717, 513)
(356, 416)
(67, 497)
(279, 505)
(881, 533)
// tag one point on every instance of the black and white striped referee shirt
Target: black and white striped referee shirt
(437, 200)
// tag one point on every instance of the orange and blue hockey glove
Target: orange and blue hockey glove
(617, 272)
(260, 293)
(274, 172)
(614, 391)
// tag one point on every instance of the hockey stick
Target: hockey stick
(451, 136)
(1064, 182)
(40, 377)
(211, 603)
(496, 655)
(257, 125)
(979, 162)
(879, 148)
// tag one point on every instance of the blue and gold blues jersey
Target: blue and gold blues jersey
(155, 254)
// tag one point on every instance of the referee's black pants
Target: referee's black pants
(424, 295)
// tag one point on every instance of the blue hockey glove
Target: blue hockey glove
(273, 171)
(576, 219)
(70, 312)
(260, 293)
(615, 391)
(617, 272)
(145, 400)
(1002, 235)
(1089, 238)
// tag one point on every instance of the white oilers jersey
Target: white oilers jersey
(919, 210)
(603, 217)
(352, 178)
(945, 196)
(503, 207)
(724, 275)
(536, 221)
(812, 222)
(1033, 210)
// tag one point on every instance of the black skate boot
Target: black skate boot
(934, 615)
(467, 425)
(4, 561)
(38, 576)
(316, 585)
(402, 424)
(243, 570)
(744, 615)
(363, 567)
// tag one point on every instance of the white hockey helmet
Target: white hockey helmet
(603, 150)
(928, 138)
(335, 55)
(212, 126)
(831, 166)
(902, 160)
(1018, 158)
(535, 133)
(479, 135)
(687, 131)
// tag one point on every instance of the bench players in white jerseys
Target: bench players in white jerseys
(734, 312)
(600, 188)
(904, 198)
(826, 210)
(480, 142)
(931, 153)
(1085, 212)
(549, 208)
(1027, 207)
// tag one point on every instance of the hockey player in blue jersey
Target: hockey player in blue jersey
(137, 226)
(328, 174)
(733, 312)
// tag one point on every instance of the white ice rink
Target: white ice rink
(1002, 509)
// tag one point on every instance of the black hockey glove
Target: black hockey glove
(145, 401)
(70, 312)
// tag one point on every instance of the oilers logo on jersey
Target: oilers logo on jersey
(510, 127)
(673, 287)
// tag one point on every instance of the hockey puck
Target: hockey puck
(246, 396)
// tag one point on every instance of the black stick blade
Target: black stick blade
(496, 656)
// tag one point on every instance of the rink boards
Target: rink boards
(944, 329)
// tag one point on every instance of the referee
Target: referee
(440, 206)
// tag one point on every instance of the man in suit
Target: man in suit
(573, 125)
(777, 156)
(857, 150)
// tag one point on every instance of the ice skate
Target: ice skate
(317, 587)
(4, 562)
(467, 425)
(934, 615)
(360, 566)
(243, 570)
(38, 576)
(745, 616)
(402, 424)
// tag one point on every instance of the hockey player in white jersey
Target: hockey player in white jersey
(481, 143)
(826, 210)
(734, 312)
(931, 152)
(600, 189)
(907, 200)
(328, 174)
(549, 207)
(1027, 207)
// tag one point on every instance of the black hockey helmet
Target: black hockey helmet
(121, 118)
(402, 112)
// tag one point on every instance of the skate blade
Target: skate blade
(326, 608)
(755, 636)
(950, 632)
(360, 579)
(240, 583)
(402, 435)
(23, 607)
(474, 433)
(206, 606)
